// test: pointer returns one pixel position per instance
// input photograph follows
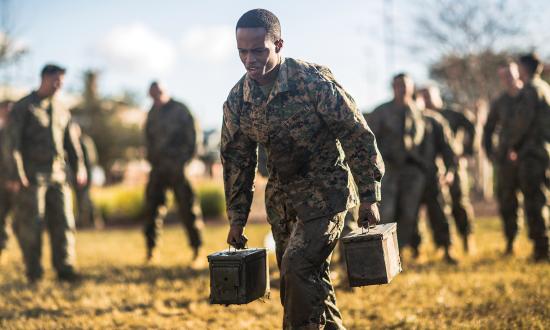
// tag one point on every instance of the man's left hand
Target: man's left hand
(368, 215)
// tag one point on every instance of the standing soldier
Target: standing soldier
(86, 214)
(436, 143)
(6, 196)
(399, 129)
(171, 142)
(499, 121)
(463, 134)
(521, 157)
(306, 121)
(37, 139)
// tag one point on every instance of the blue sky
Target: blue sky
(190, 45)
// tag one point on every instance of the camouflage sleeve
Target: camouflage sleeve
(470, 131)
(71, 143)
(340, 113)
(148, 138)
(13, 143)
(239, 158)
(489, 129)
(443, 134)
(189, 142)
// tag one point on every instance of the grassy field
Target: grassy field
(483, 291)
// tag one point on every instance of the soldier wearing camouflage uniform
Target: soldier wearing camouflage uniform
(399, 130)
(171, 142)
(463, 135)
(521, 158)
(6, 196)
(37, 139)
(436, 143)
(315, 138)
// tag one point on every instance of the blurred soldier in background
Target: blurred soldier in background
(6, 196)
(436, 143)
(38, 136)
(499, 122)
(171, 142)
(463, 134)
(522, 116)
(399, 130)
(86, 215)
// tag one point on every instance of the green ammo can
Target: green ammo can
(372, 256)
(239, 276)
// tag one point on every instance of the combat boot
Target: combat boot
(448, 258)
(69, 276)
(466, 243)
(509, 248)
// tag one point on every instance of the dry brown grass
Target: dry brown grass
(484, 291)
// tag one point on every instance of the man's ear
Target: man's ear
(279, 45)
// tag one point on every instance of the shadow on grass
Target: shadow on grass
(141, 274)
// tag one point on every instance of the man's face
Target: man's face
(524, 73)
(509, 75)
(403, 87)
(258, 52)
(156, 92)
(5, 110)
(52, 83)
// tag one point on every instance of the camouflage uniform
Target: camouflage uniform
(399, 131)
(305, 123)
(86, 211)
(6, 197)
(461, 207)
(436, 143)
(171, 141)
(37, 138)
(523, 126)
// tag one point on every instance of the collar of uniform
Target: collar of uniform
(41, 102)
(253, 94)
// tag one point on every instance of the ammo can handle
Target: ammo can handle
(366, 230)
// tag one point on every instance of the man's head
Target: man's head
(509, 76)
(52, 77)
(158, 93)
(403, 87)
(529, 66)
(432, 97)
(5, 109)
(259, 43)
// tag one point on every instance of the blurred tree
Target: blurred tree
(105, 120)
(11, 50)
(469, 39)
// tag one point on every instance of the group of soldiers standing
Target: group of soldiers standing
(426, 145)
(45, 154)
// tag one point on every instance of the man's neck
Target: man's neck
(157, 104)
(271, 75)
(514, 90)
(403, 101)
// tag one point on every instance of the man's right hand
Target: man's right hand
(236, 237)
(15, 185)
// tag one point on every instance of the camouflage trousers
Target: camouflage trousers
(461, 207)
(189, 208)
(402, 190)
(46, 204)
(6, 205)
(86, 215)
(529, 177)
(434, 201)
(303, 251)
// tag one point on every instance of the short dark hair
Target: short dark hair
(49, 69)
(531, 62)
(261, 18)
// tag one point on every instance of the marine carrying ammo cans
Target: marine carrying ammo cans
(372, 257)
(238, 277)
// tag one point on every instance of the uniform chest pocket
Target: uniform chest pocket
(303, 127)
